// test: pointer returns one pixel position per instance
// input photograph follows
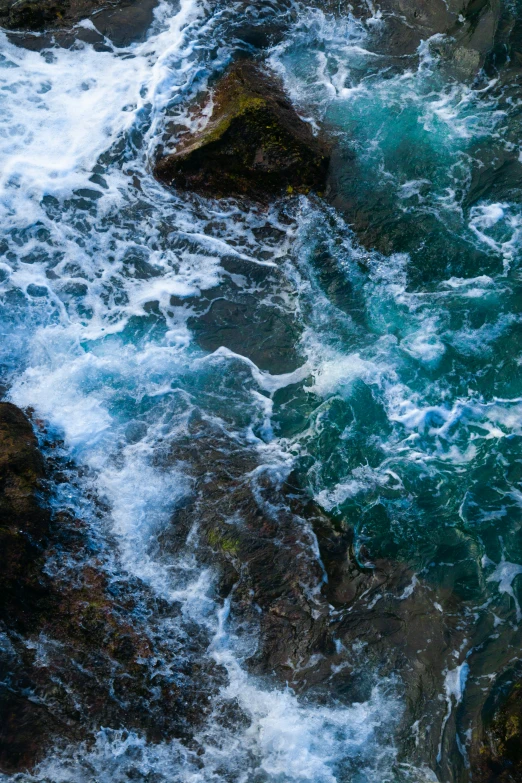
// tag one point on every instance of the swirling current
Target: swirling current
(358, 355)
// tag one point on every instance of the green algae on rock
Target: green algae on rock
(254, 145)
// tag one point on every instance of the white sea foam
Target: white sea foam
(114, 399)
(338, 373)
(284, 742)
(425, 344)
(114, 394)
(454, 686)
(504, 575)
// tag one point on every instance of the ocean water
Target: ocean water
(394, 391)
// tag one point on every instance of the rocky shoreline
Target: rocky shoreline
(79, 655)
(78, 650)
(81, 651)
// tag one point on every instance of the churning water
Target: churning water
(394, 392)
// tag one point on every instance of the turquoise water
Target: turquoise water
(388, 378)
(422, 373)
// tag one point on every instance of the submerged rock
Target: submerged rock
(254, 144)
(462, 33)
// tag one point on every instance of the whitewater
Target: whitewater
(398, 404)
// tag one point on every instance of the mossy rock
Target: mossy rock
(254, 145)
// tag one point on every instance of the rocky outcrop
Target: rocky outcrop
(254, 145)
(505, 738)
(123, 21)
(76, 652)
(321, 620)
(34, 14)
(469, 25)
(497, 757)
(24, 523)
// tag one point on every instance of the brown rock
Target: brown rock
(122, 21)
(24, 523)
(498, 757)
(254, 145)
(75, 655)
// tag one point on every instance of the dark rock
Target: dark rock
(23, 725)
(24, 524)
(470, 27)
(126, 22)
(32, 14)
(260, 333)
(498, 757)
(254, 145)
(496, 175)
(76, 654)
(264, 550)
(122, 22)
(262, 24)
(260, 326)
(24, 527)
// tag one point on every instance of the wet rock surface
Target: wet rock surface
(321, 619)
(470, 28)
(505, 736)
(119, 24)
(24, 524)
(254, 145)
(497, 178)
(252, 313)
(76, 652)
(497, 753)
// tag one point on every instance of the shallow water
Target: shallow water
(392, 385)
